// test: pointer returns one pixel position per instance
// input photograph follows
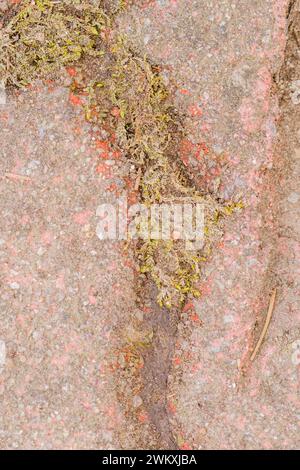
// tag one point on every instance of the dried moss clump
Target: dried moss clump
(45, 35)
(149, 131)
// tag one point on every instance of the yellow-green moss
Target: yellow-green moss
(149, 132)
(45, 35)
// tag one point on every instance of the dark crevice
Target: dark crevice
(157, 364)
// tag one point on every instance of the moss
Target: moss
(150, 133)
(44, 36)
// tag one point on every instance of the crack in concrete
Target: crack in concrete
(157, 367)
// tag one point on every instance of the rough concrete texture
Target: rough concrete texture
(62, 291)
(223, 56)
(68, 301)
(70, 323)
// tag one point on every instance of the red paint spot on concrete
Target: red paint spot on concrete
(75, 100)
(92, 297)
(102, 145)
(172, 407)
(184, 91)
(194, 317)
(115, 112)
(104, 170)
(177, 361)
(185, 446)
(71, 71)
(188, 306)
(143, 417)
(195, 110)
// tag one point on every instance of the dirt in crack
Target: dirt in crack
(156, 368)
(143, 369)
(286, 170)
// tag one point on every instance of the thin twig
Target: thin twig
(266, 325)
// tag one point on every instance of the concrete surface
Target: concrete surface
(222, 57)
(69, 370)
(59, 307)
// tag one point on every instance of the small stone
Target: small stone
(137, 401)
(218, 149)
(228, 319)
(41, 251)
(147, 38)
(139, 315)
(2, 93)
(35, 335)
(33, 164)
(14, 285)
(240, 76)
(2, 354)
(293, 198)
(295, 92)
(184, 345)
